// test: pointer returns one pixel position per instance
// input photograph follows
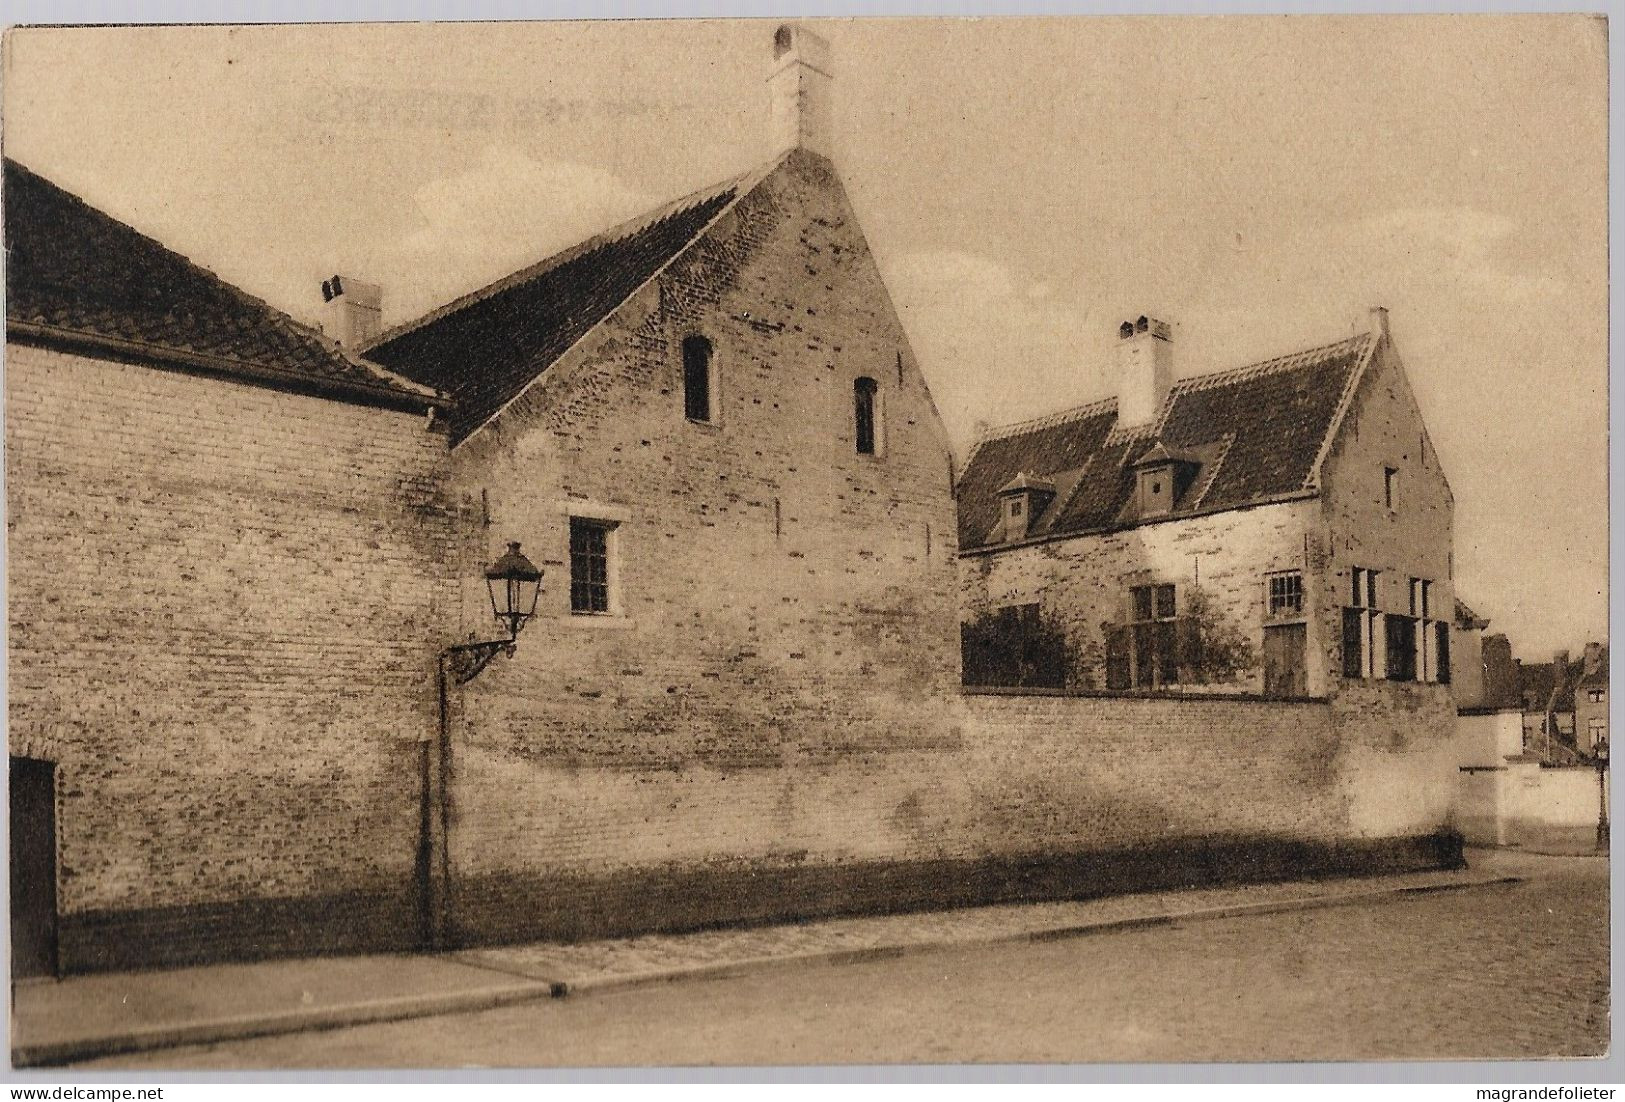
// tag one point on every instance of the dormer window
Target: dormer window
(1162, 474)
(1156, 491)
(1024, 499)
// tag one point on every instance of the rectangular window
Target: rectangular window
(1285, 594)
(1390, 486)
(1594, 696)
(697, 378)
(590, 566)
(866, 415)
(1431, 655)
(1154, 640)
(1401, 640)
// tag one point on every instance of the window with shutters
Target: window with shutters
(1401, 640)
(1428, 649)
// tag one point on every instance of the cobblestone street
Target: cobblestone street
(1519, 970)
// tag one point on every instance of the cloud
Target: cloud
(507, 210)
(995, 345)
(1476, 249)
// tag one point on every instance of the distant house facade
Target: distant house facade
(1546, 694)
(1565, 703)
(1282, 530)
(1591, 700)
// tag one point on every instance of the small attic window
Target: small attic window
(1156, 491)
(1390, 486)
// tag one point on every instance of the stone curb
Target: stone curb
(54, 1053)
(242, 1027)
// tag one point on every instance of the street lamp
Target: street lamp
(514, 583)
(1600, 760)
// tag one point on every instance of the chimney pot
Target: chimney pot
(1145, 370)
(1379, 320)
(799, 87)
(354, 314)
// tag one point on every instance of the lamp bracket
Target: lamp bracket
(464, 661)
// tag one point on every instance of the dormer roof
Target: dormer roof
(1256, 433)
(1024, 482)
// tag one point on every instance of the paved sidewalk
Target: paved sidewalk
(86, 1016)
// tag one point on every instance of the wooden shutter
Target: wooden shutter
(1117, 664)
(1353, 637)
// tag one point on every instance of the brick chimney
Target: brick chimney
(799, 84)
(1593, 658)
(1145, 370)
(354, 314)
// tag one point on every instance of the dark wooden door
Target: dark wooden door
(1285, 673)
(33, 868)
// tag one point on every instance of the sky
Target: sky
(1025, 185)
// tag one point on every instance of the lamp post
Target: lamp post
(514, 583)
(1600, 760)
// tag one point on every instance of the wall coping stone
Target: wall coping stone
(1108, 694)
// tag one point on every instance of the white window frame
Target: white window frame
(614, 518)
(1271, 616)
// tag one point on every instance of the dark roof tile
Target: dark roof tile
(487, 347)
(1255, 433)
(91, 278)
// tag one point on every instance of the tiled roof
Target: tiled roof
(78, 277)
(1535, 686)
(1597, 675)
(1466, 618)
(485, 348)
(1245, 436)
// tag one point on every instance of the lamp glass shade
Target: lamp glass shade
(514, 583)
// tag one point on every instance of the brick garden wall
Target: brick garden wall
(223, 619)
(1032, 797)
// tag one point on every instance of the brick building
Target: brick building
(222, 538)
(239, 551)
(1281, 531)
(708, 426)
(1291, 512)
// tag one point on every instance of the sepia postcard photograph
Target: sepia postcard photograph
(790, 542)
